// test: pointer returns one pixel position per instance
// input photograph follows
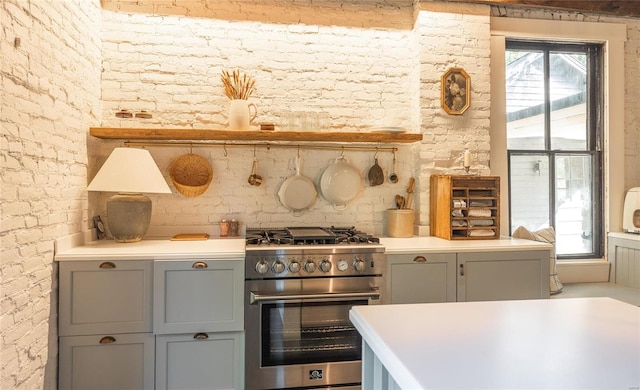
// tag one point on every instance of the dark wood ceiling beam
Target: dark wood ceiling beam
(628, 8)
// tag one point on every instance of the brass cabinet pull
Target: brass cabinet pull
(200, 336)
(199, 265)
(107, 340)
(461, 269)
(107, 265)
(420, 259)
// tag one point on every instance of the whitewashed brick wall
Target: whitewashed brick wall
(50, 88)
(632, 105)
(366, 65)
(452, 35)
(171, 65)
(396, 14)
(363, 77)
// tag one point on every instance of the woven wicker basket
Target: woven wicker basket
(191, 174)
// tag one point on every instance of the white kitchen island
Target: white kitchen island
(581, 343)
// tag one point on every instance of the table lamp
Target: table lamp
(129, 172)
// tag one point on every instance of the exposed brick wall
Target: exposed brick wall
(362, 76)
(632, 105)
(366, 66)
(50, 86)
(397, 14)
(452, 35)
(170, 66)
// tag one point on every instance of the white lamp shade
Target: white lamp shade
(130, 170)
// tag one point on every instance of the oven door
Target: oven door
(298, 332)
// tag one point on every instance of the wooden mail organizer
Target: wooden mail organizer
(465, 207)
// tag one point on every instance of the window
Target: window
(554, 132)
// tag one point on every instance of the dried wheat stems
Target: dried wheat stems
(237, 85)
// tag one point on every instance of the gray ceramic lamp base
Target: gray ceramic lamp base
(128, 216)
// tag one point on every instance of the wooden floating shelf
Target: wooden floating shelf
(248, 136)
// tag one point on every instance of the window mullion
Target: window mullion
(547, 137)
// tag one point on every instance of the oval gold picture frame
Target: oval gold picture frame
(455, 93)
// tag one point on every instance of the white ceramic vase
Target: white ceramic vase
(241, 113)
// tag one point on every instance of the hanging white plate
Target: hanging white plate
(340, 183)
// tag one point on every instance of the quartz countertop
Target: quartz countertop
(432, 244)
(572, 343)
(211, 249)
(626, 236)
(221, 248)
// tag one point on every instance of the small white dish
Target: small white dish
(395, 130)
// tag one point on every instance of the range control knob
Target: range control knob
(309, 266)
(343, 265)
(358, 264)
(278, 266)
(262, 267)
(325, 266)
(294, 266)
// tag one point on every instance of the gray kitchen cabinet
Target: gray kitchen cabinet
(421, 278)
(199, 361)
(503, 275)
(105, 325)
(104, 297)
(624, 255)
(107, 309)
(467, 276)
(96, 362)
(199, 323)
(198, 296)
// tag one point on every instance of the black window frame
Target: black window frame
(595, 124)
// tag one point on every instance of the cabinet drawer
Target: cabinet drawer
(99, 297)
(421, 278)
(107, 362)
(200, 361)
(198, 296)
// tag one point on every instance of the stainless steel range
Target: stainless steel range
(300, 284)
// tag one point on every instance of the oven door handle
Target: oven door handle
(256, 298)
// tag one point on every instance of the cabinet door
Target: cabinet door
(119, 361)
(416, 278)
(198, 296)
(489, 276)
(200, 361)
(105, 297)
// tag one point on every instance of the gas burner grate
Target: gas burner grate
(303, 235)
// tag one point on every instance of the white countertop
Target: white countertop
(566, 343)
(212, 249)
(432, 244)
(626, 236)
(221, 248)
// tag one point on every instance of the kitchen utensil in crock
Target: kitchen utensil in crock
(254, 178)
(407, 203)
(297, 192)
(399, 201)
(340, 183)
(393, 177)
(376, 175)
(191, 174)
